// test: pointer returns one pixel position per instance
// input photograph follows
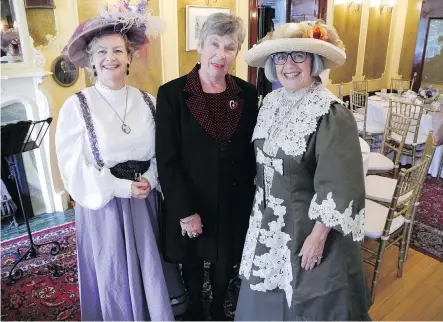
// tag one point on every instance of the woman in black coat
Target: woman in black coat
(206, 163)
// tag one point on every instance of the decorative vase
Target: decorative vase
(435, 106)
(428, 100)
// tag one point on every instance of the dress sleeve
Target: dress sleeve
(339, 200)
(91, 187)
(152, 175)
(175, 187)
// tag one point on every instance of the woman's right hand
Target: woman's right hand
(140, 190)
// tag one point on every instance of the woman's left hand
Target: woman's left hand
(312, 249)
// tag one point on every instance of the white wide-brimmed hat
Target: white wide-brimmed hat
(309, 36)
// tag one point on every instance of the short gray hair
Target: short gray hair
(222, 24)
(317, 67)
(93, 42)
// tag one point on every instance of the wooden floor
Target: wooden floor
(417, 296)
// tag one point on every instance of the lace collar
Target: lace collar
(287, 118)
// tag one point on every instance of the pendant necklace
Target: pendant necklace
(125, 127)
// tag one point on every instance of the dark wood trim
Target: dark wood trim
(322, 9)
(253, 35)
(420, 47)
(288, 10)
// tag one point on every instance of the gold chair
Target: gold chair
(379, 162)
(389, 226)
(359, 107)
(381, 189)
(360, 86)
(414, 137)
(400, 85)
(428, 152)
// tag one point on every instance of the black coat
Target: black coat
(188, 162)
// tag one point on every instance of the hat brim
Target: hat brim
(259, 54)
(76, 53)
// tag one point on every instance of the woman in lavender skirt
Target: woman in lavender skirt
(105, 143)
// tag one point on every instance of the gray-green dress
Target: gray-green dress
(309, 168)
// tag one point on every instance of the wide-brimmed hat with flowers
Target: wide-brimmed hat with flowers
(309, 36)
(136, 22)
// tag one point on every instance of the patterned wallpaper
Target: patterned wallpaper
(377, 40)
(41, 22)
(348, 27)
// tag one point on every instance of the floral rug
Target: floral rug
(46, 292)
(427, 234)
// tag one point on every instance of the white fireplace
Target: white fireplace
(22, 98)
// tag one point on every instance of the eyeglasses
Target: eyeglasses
(296, 56)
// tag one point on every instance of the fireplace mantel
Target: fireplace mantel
(20, 84)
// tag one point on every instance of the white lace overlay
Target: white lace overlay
(274, 266)
(270, 165)
(286, 118)
(252, 235)
(268, 174)
(331, 217)
(277, 164)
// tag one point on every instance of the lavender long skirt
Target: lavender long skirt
(120, 269)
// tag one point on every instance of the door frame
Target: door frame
(420, 49)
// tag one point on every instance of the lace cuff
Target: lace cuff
(346, 222)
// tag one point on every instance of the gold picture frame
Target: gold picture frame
(195, 17)
(64, 72)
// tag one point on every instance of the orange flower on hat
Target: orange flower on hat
(320, 33)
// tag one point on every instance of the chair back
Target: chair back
(359, 105)
(396, 125)
(408, 186)
(428, 152)
(399, 84)
(360, 86)
(430, 146)
(413, 111)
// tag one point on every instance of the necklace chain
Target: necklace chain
(125, 127)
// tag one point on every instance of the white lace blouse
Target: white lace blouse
(88, 184)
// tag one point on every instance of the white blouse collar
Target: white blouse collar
(104, 90)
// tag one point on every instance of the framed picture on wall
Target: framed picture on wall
(64, 72)
(39, 4)
(195, 18)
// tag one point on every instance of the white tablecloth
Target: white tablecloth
(378, 112)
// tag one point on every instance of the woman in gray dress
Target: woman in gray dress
(302, 257)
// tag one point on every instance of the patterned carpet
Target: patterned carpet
(427, 235)
(36, 223)
(45, 292)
